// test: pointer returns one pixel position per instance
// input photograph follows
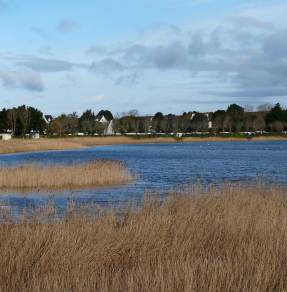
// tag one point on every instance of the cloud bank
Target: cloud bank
(27, 80)
(249, 54)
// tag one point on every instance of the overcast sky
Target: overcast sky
(150, 55)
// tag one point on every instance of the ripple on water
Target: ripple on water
(160, 167)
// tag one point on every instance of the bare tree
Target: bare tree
(88, 126)
(277, 126)
(259, 122)
(12, 119)
(130, 113)
(249, 121)
(227, 123)
(218, 119)
(248, 108)
(265, 107)
(72, 123)
(24, 118)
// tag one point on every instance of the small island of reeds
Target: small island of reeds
(60, 177)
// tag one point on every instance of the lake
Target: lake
(159, 168)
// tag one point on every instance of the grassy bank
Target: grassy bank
(232, 239)
(44, 144)
(97, 173)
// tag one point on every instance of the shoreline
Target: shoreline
(74, 143)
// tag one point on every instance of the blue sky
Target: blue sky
(164, 55)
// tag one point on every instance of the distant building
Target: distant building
(109, 130)
(5, 136)
(192, 116)
(209, 117)
(102, 119)
(34, 135)
(48, 119)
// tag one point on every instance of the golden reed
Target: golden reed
(232, 238)
(57, 177)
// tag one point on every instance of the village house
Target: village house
(48, 119)
(210, 124)
(5, 136)
(34, 135)
(209, 117)
(108, 125)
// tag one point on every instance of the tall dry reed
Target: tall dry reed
(228, 239)
(91, 174)
(44, 144)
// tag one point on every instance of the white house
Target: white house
(34, 135)
(192, 116)
(5, 136)
(102, 119)
(109, 130)
(48, 119)
(210, 125)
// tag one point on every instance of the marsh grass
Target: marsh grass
(45, 144)
(61, 177)
(229, 238)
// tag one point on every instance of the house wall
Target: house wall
(35, 136)
(110, 129)
(5, 137)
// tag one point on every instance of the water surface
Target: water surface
(160, 167)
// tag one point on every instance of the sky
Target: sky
(151, 55)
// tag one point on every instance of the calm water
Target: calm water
(160, 167)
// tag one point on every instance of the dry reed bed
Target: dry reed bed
(233, 239)
(44, 144)
(57, 177)
(26, 145)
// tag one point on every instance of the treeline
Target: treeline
(234, 119)
(88, 123)
(22, 120)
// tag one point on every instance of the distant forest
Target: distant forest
(25, 119)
